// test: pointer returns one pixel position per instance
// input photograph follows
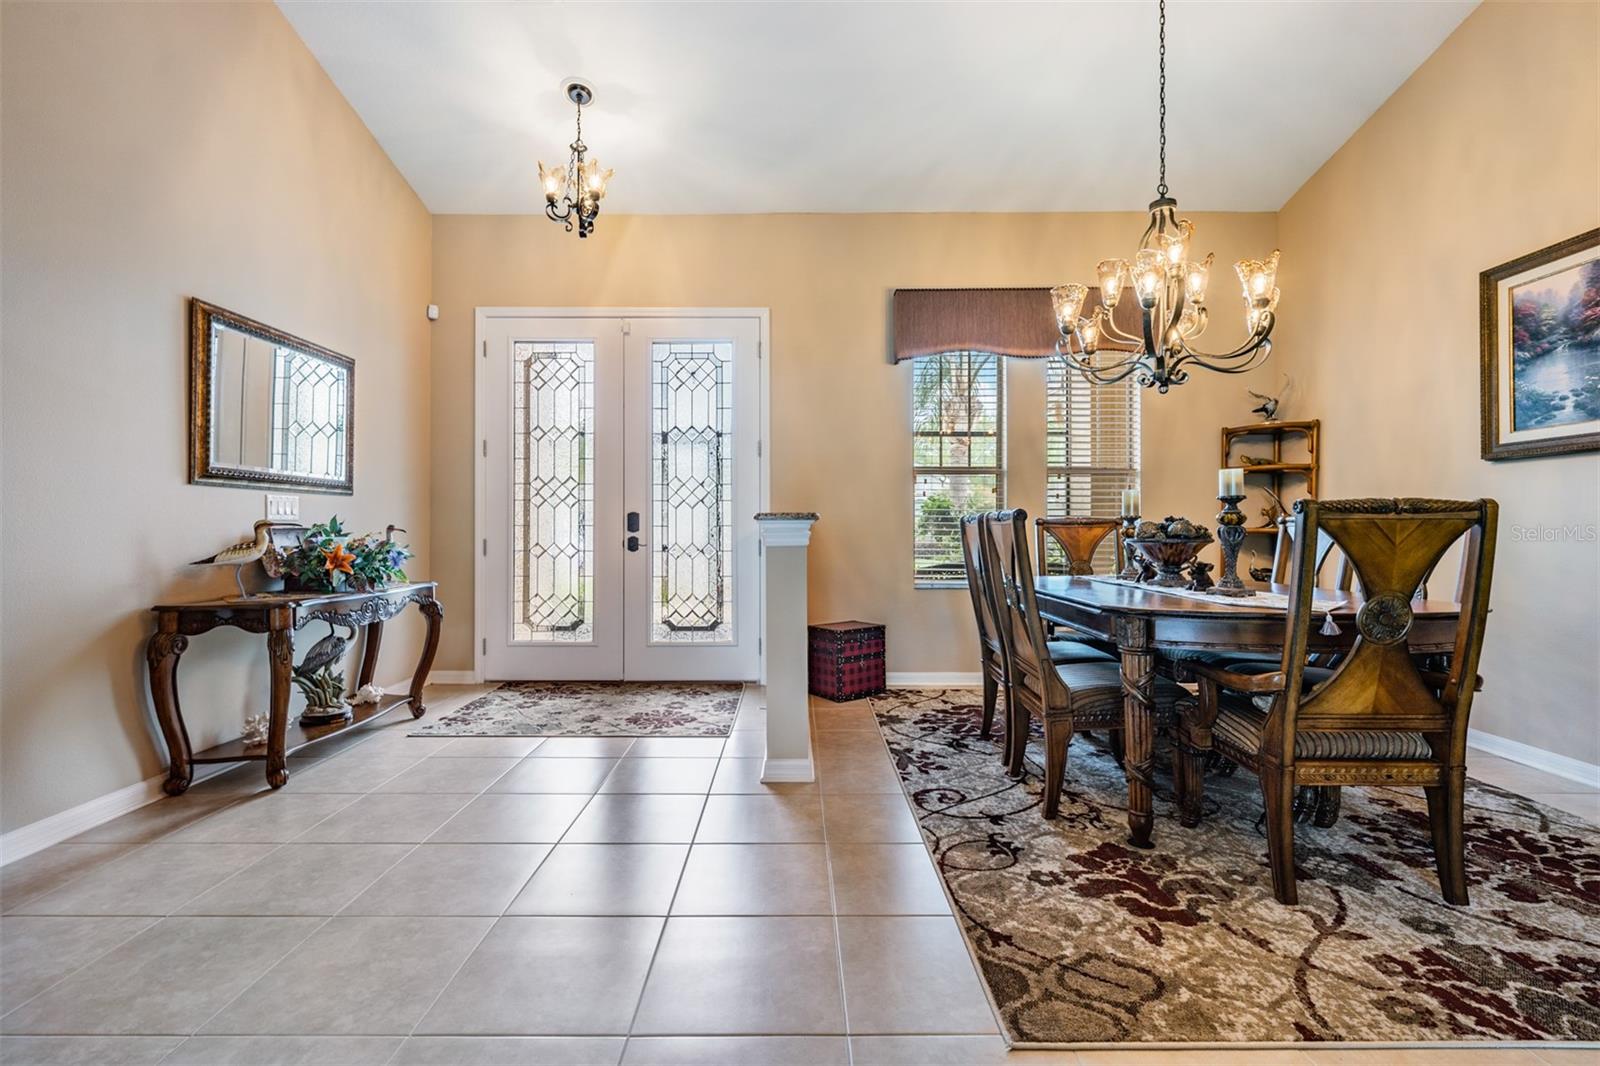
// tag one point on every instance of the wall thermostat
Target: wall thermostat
(433, 312)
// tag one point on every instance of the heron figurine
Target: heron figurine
(325, 652)
(323, 689)
(243, 554)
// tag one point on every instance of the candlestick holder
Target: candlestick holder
(1230, 535)
(1132, 568)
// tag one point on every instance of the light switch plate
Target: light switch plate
(282, 507)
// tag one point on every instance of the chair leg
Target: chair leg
(991, 691)
(1445, 802)
(1326, 814)
(1191, 774)
(1117, 750)
(1057, 734)
(1277, 788)
(1016, 747)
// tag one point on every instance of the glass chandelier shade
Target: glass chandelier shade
(572, 192)
(1170, 288)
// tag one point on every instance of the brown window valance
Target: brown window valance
(1011, 322)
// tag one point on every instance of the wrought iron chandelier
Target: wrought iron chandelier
(573, 192)
(1170, 288)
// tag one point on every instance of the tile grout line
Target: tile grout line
(833, 903)
(323, 925)
(512, 902)
(662, 934)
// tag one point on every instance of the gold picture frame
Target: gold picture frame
(1539, 317)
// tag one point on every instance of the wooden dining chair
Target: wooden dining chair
(1078, 537)
(991, 652)
(1065, 696)
(1379, 717)
(1283, 557)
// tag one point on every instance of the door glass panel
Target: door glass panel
(691, 588)
(553, 553)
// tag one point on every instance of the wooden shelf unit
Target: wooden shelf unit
(1277, 470)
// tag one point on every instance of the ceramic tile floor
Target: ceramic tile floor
(512, 900)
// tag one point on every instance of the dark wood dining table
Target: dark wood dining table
(1143, 622)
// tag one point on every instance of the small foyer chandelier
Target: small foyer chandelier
(573, 192)
(1170, 288)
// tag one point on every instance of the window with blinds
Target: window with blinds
(958, 456)
(1091, 448)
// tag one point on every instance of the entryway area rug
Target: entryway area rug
(1083, 939)
(593, 709)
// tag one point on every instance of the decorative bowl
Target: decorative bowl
(1170, 555)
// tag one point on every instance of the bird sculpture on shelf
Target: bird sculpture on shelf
(242, 554)
(325, 652)
(1269, 406)
(316, 679)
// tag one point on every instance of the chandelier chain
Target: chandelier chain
(1161, 185)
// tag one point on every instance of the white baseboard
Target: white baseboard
(935, 680)
(1549, 761)
(786, 770)
(453, 677)
(35, 837)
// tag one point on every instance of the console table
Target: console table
(278, 615)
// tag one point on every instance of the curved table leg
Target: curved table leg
(433, 611)
(1138, 725)
(369, 654)
(280, 653)
(161, 654)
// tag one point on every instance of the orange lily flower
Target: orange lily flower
(338, 559)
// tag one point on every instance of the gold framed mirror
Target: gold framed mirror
(267, 408)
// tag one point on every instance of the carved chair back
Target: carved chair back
(981, 588)
(1078, 537)
(1283, 555)
(1392, 544)
(1033, 675)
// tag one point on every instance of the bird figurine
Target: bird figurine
(388, 534)
(1269, 406)
(242, 554)
(325, 652)
(323, 689)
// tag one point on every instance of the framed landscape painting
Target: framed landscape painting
(1540, 317)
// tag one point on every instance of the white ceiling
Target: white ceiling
(747, 107)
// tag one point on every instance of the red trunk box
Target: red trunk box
(847, 660)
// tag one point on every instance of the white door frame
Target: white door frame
(480, 421)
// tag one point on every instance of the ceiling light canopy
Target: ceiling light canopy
(1170, 287)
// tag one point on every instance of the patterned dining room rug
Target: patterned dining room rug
(593, 709)
(1083, 939)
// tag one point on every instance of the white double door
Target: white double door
(621, 476)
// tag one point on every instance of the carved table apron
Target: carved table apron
(1142, 623)
(279, 615)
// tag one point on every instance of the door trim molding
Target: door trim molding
(480, 468)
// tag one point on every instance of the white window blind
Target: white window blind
(958, 456)
(1091, 448)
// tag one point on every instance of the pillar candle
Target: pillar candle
(1130, 501)
(1230, 482)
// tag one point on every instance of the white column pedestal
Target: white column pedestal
(784, 537)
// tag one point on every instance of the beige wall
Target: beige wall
(152, 153)
(1491, 150)
(840, 411)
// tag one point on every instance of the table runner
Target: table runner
(1272, 601)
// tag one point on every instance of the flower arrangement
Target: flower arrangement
(329, 559)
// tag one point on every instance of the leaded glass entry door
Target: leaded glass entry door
(620, 476)
(693, 478)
